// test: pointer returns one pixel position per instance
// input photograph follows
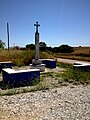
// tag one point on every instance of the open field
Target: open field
(80, 53)
(84, 50)
(24, 57)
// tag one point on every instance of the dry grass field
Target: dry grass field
(80, 53)
(85, 50)
(24, 57)
(21, 57)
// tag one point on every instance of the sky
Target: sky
(61, 22)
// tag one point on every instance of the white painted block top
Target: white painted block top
(11, 71)
(6, 62)
(81, 63)
(48, 59)
(8, 70)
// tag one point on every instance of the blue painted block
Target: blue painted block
(49, 63)
(5, 65)
(0, 68)
(21, 77)
(82, 67)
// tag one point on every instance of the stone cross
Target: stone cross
(37, 25)
(37, 63)
(36, 44)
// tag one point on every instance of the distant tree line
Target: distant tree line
(43, 47)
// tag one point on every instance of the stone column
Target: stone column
(36, 46)
(36, 61)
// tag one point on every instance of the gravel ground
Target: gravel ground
(64, 103)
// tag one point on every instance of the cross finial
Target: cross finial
(37, 25)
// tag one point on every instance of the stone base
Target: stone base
(41, 67)
(36, 62)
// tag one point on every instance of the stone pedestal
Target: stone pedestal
(41, 67)
(37, 64)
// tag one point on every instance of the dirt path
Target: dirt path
(70, 61)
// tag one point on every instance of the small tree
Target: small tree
(30, 46)
(55, 49)
(49, 48)
(42, 46)
(2, 44)
(65, 49)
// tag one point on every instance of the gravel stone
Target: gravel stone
(64, 103)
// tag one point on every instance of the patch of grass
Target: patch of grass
(51, 74)
(63, 65)
(35, 86)
(47, 74)
(44, 85)
(73, 75)
(76, 76)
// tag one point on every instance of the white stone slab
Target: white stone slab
(41, 67)
(11, 71)
(6, 62)
(48, 59)
(81, 63)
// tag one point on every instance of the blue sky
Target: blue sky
(61, 21)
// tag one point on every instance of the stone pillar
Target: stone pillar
(36, 61)
(36, 46)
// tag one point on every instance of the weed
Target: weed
(63, 65)
(76, 75)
